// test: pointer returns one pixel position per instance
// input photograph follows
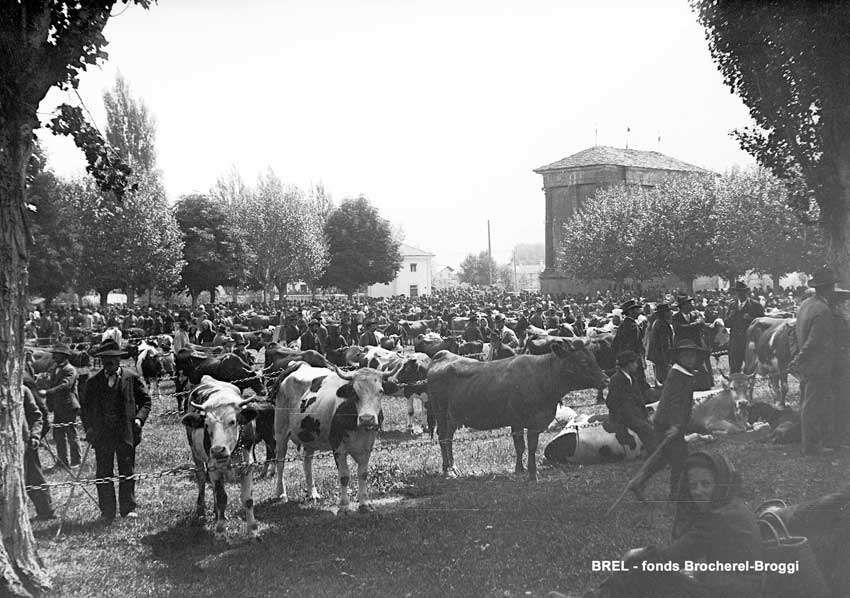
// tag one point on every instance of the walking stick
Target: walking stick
(67, 468)
(71, 493)
(647, 465)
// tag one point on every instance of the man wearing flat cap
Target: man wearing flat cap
(61, 398)
(739, 315)
(629, 337)
(814, 360)
(625, 403)
(115, 408)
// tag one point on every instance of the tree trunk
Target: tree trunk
(212, 294)
(131, 297)
(838, 237)
(776, 277)
(689, 284)
(235, 298)
(19, 562)
(104, 297)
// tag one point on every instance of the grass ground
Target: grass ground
(487, 533)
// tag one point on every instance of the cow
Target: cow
(391, 343)
(432, 344)
(413, 376)
(327, 409)
(601, 344)
(521, 392)
(149, 365)
(42, 360)
(278, 358)
(191, 366)
(417, 327)
(784, 423)
(771, 345)
(221, 433)
(253, 340)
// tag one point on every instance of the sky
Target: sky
(437, 111)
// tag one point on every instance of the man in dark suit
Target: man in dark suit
(310, 339)
(660, 348)
(739, 315)
(689, 324)
(115, 408)
(368, 338)
(62, 400)
(814, 360)
(629, 337)
(625, 403)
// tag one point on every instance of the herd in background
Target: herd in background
(481, 359)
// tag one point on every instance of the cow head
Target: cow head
(219, 409)
(578, 368)
(364, 388)
(354, 355)
(414, 369)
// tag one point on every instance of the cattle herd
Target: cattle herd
(330, 399)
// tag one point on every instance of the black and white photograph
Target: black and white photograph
(379, 299)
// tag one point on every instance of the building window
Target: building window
(413, 267)
(414, 290)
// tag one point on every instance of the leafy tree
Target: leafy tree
(212, 249)
(478, 269)
(362, 250)
(42, 45)
(54, 248)
(529, 253)
(130, 128)
(321, 200)
(758, 230)
(787, 61)
(236, 198)
(610, 238)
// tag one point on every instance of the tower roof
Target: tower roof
(602, 155)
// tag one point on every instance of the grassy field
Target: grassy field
(487, 533)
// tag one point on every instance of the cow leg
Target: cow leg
(269, 459)
(248, 503)
(445, 433)
(281, 439)
(313, 493)
(410, 413)
(532, 453)
(783, 388)
(220, 505)
(201, 481)
(519, 445)
(773, 381)
(341, 459)
(600, 397)
(362, 460)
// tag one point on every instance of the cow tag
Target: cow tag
(390, 387)
(346, 391)
(193, 420)
(246, 415)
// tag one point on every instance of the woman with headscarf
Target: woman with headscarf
(713, 526)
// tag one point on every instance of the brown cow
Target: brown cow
(521, 392)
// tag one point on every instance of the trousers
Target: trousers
(65, 437)
(814, 411)
(33, 476)
(107, 452)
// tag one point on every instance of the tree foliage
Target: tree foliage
(212, 249)
(478, 269)
(787, 61)
(130, 128)
(362, 250)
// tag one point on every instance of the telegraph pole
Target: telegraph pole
(489, 257)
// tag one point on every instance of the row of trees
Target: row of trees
(690, 226)
(257, 237)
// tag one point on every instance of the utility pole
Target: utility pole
(489, 257)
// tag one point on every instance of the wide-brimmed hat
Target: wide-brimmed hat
(687, 344)
(662, 307)
(110, 348)
(682, 299)
(739, 285)
(822, 278)
(626, 357)
(62, 349)
(370, 323)
(631, 303)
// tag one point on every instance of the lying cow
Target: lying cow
(784, 423)
(221, 432)
(322, 409)
(521, 392)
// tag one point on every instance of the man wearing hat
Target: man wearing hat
(506, 335)
(310, 340)
(660, 349)
(116, 406)
(814, 360)
(740, 313)
(220, 339)
(625, 403)
(674, 411)
(240, 349)
(629, 337)
(368, 338)
(497, 349)
(690, 324)
(61, 398)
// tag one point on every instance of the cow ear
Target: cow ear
(390, 387)
(346, 391)
(193, 420)
(246, 415)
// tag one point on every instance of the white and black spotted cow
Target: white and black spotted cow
(221, 433)
(321, 409)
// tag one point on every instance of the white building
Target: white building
(414, 278)
(446, 278)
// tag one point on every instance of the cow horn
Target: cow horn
(244, 402)
(344, 375)
(197, 406)
(392, 372)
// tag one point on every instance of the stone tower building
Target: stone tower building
(568, 183)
